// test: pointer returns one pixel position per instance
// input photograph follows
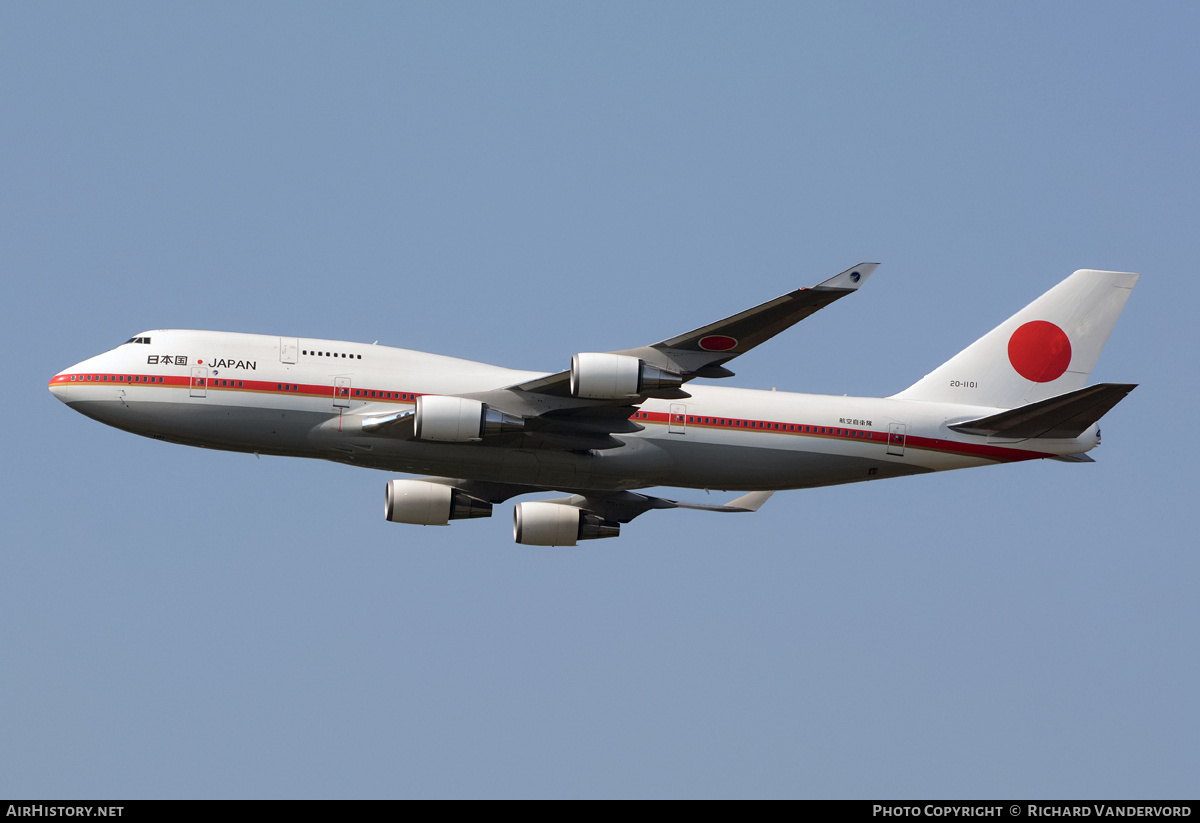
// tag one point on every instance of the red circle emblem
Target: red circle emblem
(717, 342)
(1039, 351)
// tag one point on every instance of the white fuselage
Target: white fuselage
(307, 398)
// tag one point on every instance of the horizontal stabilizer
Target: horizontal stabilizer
(1065, 416)
(1072, 458)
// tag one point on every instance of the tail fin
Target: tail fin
(1046, 349)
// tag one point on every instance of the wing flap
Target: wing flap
(483, 489)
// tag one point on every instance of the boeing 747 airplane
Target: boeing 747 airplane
(614, 422)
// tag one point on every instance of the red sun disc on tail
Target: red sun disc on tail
(1039, 351)
(717, 342)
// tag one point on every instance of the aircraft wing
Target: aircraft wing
(703, 352)
(621, 507)
(553, 415)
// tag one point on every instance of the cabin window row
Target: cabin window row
(761, 424)
(115, 378)
(343, 355)
(385, 395)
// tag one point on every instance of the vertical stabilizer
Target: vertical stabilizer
(1046, 349)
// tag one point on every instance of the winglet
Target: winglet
(751, 502)
(850, 279)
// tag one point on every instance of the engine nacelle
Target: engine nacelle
(537, 523)
(604, 376)
(460, 419)
(431, 504)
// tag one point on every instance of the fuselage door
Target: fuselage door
(289, 347)
(896, 432)
(198, 386)
(341, 392)
(677, 420)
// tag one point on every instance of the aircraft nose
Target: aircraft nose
(65, 385)
(60, 385)
(68, 384)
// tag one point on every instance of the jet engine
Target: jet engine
(431, 504)
(460, 419)
(538, 523)
(603, 376)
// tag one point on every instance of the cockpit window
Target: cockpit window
(145, 340)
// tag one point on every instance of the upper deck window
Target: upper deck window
(315, 353)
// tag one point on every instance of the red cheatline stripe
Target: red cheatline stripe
(230, 384)
(847, 433)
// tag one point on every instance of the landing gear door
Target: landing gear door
(341, 392)
(198, 385)
(896, 433)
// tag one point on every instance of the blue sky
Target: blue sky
(517, 182)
